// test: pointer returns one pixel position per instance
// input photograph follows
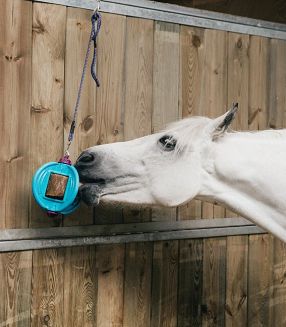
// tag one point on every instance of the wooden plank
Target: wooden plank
(137, 123)
(109, 128)
(49, 22)
(137, 284)
(277, 82)
(15, 286)
(237, 246)
(260, 248)
(165, 89)
(164, 284)
(277, 109)
(47, 288)
(165, 110)
(80, 286)
(78, 29)
(190, 283)
(138, 78)
(191, 251)
(236, 281)
(15, 103)
(258, 83)
(213, 102)
(110, 266)
(214, 282)
(259, 280)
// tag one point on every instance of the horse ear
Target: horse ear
(222, 123)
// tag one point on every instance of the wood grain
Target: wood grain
(49, 23)
(110, 266)
(165, 110)
(15, 286)
(213, 102)
(80, 286)
(191, 251)
(109, 101)
(109, 128)
(259, 280)
(237, 247)
(164, 284)
(259, 273)
(15, 103)
(137, 123)
(277, 105)
(138, 77)
(47, 288)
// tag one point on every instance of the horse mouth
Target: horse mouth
(93, 190)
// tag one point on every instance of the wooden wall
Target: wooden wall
(151, 73)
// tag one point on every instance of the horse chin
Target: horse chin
(90, 194)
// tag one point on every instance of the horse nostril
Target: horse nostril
(86, 157)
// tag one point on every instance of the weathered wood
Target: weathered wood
(138, 78)
(236, 281)
(165, 77)
(15, 103)
(278, 104)
(190, 283)
(259, 280)
(137, 123)
(260, 248)
(109, 128)
(110, 266)
(80, 287)
(15, 286)
(165, 110)
(137, 284)
(78, 27)
(49, 23)
(258, 83)
(191, 251)
(47, 288)
(213, 102)
(237, 246)
(164, 284)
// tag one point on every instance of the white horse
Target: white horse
(194, 158)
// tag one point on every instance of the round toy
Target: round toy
(55, 187)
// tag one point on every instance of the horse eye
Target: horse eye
(168, 142)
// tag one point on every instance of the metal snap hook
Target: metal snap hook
(97, 9)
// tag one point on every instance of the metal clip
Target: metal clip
(97, 9)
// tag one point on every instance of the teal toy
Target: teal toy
(55, 187)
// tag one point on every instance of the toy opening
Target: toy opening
(57, 186)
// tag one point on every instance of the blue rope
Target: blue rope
(96, 24)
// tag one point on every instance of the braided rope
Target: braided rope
(96, 24)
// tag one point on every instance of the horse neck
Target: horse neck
(247, 173)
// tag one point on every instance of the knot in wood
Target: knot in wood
(196, 41)
(239, 43)
(87, 123)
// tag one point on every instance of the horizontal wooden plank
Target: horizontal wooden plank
(46, 238)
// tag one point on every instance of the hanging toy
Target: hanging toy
(55, 184)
